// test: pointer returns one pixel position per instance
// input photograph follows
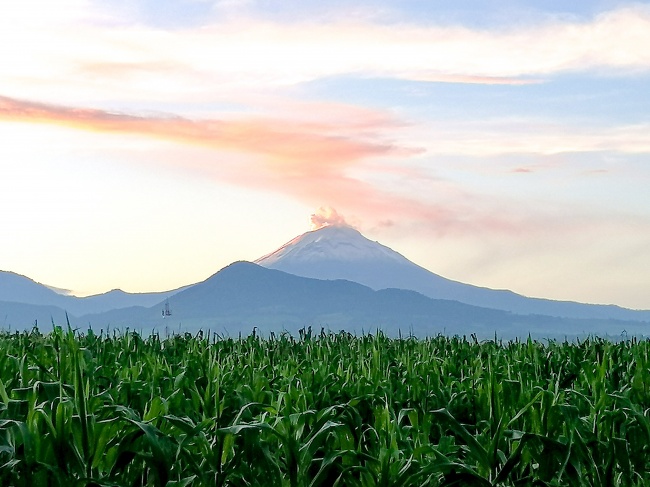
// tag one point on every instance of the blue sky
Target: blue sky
(148, 144)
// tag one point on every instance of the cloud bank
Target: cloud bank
(93, 55)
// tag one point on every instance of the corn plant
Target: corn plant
(330, 409)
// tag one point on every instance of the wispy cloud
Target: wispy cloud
(316, 163)
(318, 152)
(528, 136)
(92, 55)
(301, 51)
(284, 144)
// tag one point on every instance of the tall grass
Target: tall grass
(320, 410)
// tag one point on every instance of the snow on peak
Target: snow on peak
(330, 242)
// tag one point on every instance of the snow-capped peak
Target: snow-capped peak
(331, 242)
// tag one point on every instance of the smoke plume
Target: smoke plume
(326, 216)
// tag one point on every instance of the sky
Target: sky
(144, 144)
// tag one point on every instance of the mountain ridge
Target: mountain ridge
(18, 288)
(351, 282)
(307, 256)
(245, 296)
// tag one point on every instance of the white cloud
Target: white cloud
(526, 136)
(78, 52)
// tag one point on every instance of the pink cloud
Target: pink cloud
(308, 160)
(284, 144)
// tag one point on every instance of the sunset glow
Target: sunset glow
(144, 146)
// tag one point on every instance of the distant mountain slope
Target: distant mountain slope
(340, 252)
(22, 316)
(244, 295)
(118, 299)
(20, 289)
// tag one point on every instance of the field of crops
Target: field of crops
(321, 410)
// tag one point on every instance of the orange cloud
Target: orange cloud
(310, 161)
(287, 145)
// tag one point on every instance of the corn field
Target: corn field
(328, 409)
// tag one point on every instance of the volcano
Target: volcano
(342, 252)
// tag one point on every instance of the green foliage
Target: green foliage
(320, 410)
